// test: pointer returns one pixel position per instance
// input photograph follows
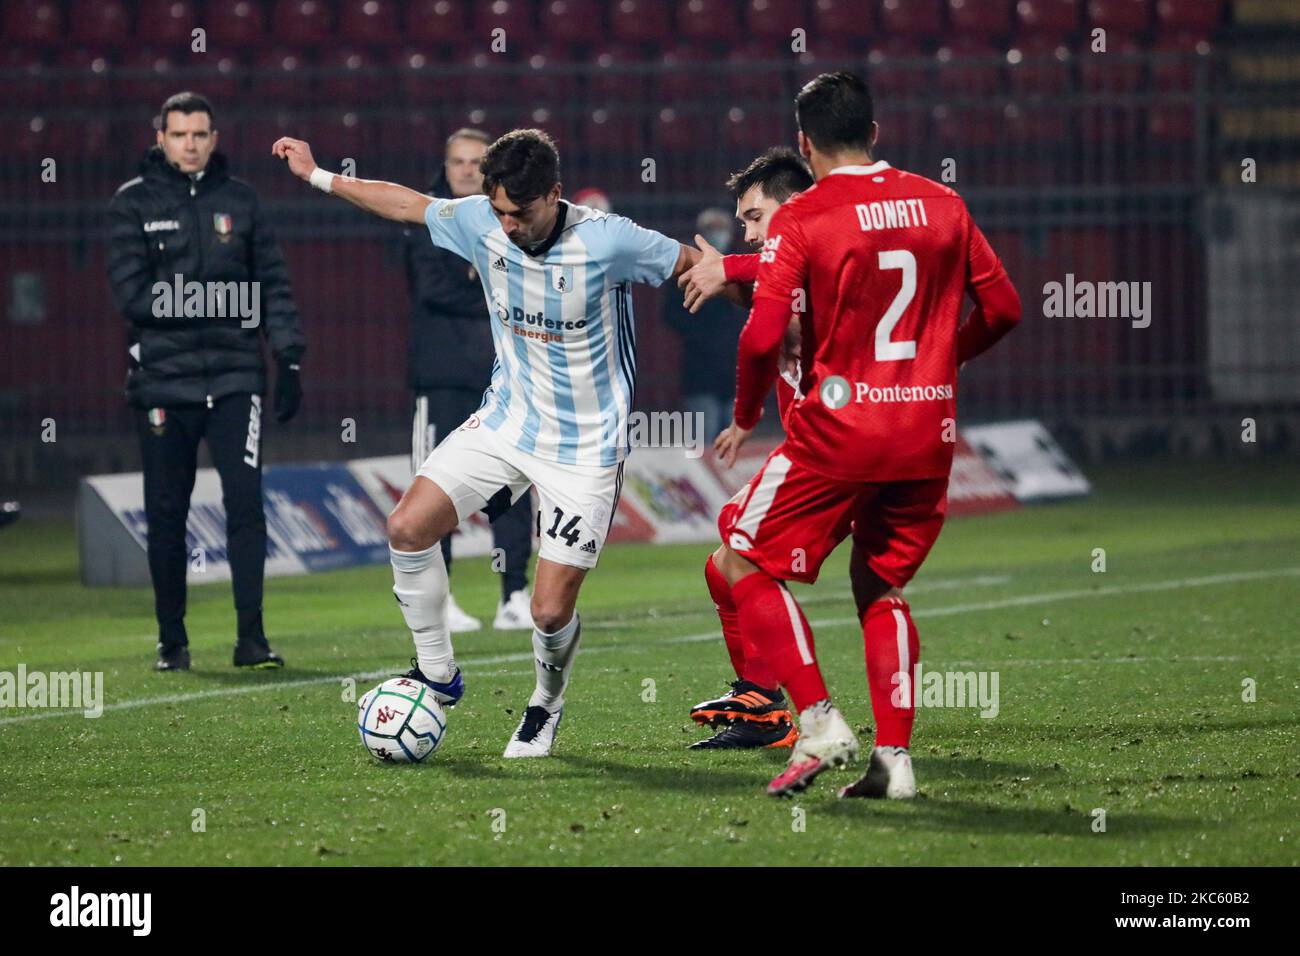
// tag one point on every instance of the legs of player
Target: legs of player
(773, 620)
(423, 517)
(556, 633)
(753, 712)
(892, 648)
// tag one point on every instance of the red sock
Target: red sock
(774, 623)
(892, 648)
(720, 591)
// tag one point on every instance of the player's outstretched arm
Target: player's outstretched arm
(383, 199)
(708, 277)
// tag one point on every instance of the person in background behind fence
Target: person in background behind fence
(451, 355)
(195, 368)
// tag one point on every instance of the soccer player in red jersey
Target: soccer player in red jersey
(753, 713)
(876, 261)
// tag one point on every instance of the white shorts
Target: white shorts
(477, 469)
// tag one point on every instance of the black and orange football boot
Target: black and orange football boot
(748, 702)
(750, 735)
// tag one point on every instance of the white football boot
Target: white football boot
(825, 741)
(458, 622)
(889, 775)
(515, 613)
(535, 733)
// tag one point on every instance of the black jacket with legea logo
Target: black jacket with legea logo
(211, 228)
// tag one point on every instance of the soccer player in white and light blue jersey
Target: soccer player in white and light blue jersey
(557, 280)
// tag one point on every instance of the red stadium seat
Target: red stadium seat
(751, 76)
(980, 19)
(236, 23)
(916, 19)
(1035, 124)
(220, 78)
(1053, 19)
(704, 20)
(686, 74)
(842, 20)
(278, 77)
(481, 82)
(898, 68)
(969, 66)
(90, 81)
(1174, 66)
(1115, 71)
(571, 21)
(612, 82)
(147, 77)
(1201, 16)
(774, 19)
(513, 16)
(100, 24)
(1122, 16)
(368, 22)
(1037, 65)
(423, 79)
(677, 130)
(640, 21)
(350, 78)
(978, 124)
(435, 22)
(610, 129)
(302, 23)
(756, 128)
(546, 79)
(830, 53)
(33, 23)
(29, 84)
(166, 23)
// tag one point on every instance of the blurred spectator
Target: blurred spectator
(708, 337)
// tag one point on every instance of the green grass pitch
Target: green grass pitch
(1119, 691)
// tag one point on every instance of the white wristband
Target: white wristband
(322, 180)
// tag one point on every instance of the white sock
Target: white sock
(554, 654)
(420, 583)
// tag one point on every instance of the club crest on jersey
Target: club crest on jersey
(222, 223)
(561, 278)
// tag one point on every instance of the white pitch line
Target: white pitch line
(1019, 601)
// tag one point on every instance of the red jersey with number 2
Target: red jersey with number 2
(885, 258)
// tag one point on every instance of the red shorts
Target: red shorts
(788, 520)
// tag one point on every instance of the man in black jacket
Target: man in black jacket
(451, 355)
(196, 272)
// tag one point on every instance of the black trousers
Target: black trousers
(512, 529)
(169, 445)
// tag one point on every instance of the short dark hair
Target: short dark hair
(779, 173)
(185, 102)
(835, 111)
(523, 162)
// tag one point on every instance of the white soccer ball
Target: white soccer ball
(401, 721)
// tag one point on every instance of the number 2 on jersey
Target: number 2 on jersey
(886, 349)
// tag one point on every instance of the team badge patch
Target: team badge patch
(561, 278)
(448, 211)
(157, 420)
(222, 223)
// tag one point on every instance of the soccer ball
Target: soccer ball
(401, 721)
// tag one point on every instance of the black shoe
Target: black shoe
(175, 657)
(10, 511)
(257, 656)
(747, 701)
(748, 735)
